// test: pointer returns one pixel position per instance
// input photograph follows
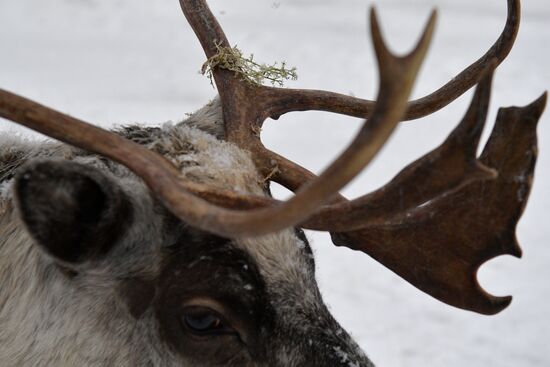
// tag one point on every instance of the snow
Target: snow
(123, 61)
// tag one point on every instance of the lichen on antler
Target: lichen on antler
(250, 71)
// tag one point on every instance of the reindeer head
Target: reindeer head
(175, 253)
(178, 294)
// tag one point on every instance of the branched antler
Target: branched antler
(397, 77)
(434, 224)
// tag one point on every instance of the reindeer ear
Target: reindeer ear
(74, 212)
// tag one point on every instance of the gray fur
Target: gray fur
(58, 313)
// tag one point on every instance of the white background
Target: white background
(123, 61)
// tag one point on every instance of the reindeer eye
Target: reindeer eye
(204, 321)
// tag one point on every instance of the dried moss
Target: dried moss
(231, 58)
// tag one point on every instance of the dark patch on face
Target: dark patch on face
(203, 266)
(137, 294)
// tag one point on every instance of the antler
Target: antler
(439, 246)
(422, 225)
(246, 104)
(397, 77)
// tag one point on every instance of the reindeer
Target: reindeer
(163, 246)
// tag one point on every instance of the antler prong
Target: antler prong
(209, 32)
(293, 100)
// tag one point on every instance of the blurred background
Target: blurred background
(125, 61)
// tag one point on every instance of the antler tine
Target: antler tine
(472, 74)
(209, 32)
(397, 76)
(283, 101)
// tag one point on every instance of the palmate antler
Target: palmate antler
(434, 224)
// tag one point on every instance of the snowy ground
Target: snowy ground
(119, 61)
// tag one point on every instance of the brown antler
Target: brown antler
(438, 247)
(397, 77)
(422, 225)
